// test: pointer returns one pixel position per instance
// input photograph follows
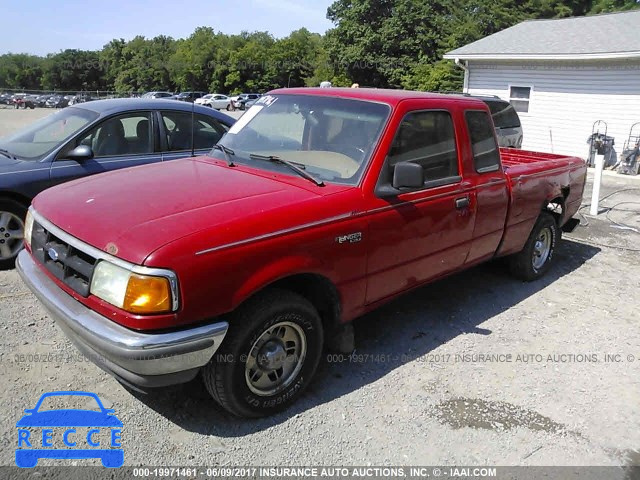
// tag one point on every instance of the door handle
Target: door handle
(462, 202)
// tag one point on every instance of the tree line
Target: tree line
(380, 43)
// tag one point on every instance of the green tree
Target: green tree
(73, 70)
(20, 71)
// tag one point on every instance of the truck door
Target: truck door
(423, 233)
(491, 190)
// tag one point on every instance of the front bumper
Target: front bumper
(138, 359)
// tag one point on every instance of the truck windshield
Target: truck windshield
(39, 138)
(331, 138)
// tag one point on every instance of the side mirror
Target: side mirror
(80, 153)
(408, 175)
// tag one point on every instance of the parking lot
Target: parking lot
(476, 369)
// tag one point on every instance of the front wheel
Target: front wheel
(12, 216)
(537, 255)
(268, 357)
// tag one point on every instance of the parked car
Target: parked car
(80, 98)
(57, 101)
(322, 206)
(157, 95)
(506, 121)
(243, 98)
(189, 96)
(214, 100)
(24, 101)
(6, 99)
(91, 138)
(41, 100)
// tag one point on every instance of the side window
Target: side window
(486, 157)
(128, 134)
(428, 139)
(177, 126)
(206, 134)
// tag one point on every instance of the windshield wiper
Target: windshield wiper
(298, 169)
(8, 154)
(227, 153)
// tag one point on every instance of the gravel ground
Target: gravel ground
(476, 369)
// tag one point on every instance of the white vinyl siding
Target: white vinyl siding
(566, 99)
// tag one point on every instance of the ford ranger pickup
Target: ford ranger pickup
(316, 207)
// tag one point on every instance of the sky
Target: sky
(49, 27)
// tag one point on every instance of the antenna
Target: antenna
(193, 124)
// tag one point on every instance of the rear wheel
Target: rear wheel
(268, 357)
(12, 216)
(536, 257)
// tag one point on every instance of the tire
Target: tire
(228, 108)
(243, 375)
(12, 215)
(536, 257)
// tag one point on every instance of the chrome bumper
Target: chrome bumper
(140, 359)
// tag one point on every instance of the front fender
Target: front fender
(277, 270)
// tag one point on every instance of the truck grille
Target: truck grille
(71, 266)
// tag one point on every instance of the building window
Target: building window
(519, 97)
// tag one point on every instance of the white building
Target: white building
(561, 76)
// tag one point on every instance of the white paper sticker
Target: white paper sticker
(246, 118)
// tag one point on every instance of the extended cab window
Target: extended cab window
(486, 157)
(428, 139)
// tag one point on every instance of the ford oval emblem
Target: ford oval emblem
(53, 255)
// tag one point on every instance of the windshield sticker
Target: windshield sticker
(267, 100)
(245, 119)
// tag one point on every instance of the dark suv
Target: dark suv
(506, 120)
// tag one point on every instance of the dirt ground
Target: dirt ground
(477, 369)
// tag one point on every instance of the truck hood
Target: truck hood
(132, 212)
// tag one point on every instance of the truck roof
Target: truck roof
(389, 96)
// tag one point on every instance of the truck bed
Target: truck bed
(535, 179)
(516, 161)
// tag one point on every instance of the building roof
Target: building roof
(613, 35)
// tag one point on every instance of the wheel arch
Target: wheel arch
(318, 289)
(10, 195)
(556, 205)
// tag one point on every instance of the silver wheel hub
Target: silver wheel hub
(272, 356)
(542, 249)
(276, 358)
(11, 235)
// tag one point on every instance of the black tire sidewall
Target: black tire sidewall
(11, 206)
(240, 338)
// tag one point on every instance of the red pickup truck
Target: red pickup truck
(318, 206)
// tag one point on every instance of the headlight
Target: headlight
(28, 228)
(133, 292)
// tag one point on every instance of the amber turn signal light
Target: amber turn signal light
(147, 295)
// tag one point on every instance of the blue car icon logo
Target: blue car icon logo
(85, 432)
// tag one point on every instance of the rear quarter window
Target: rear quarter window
(486, 157)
